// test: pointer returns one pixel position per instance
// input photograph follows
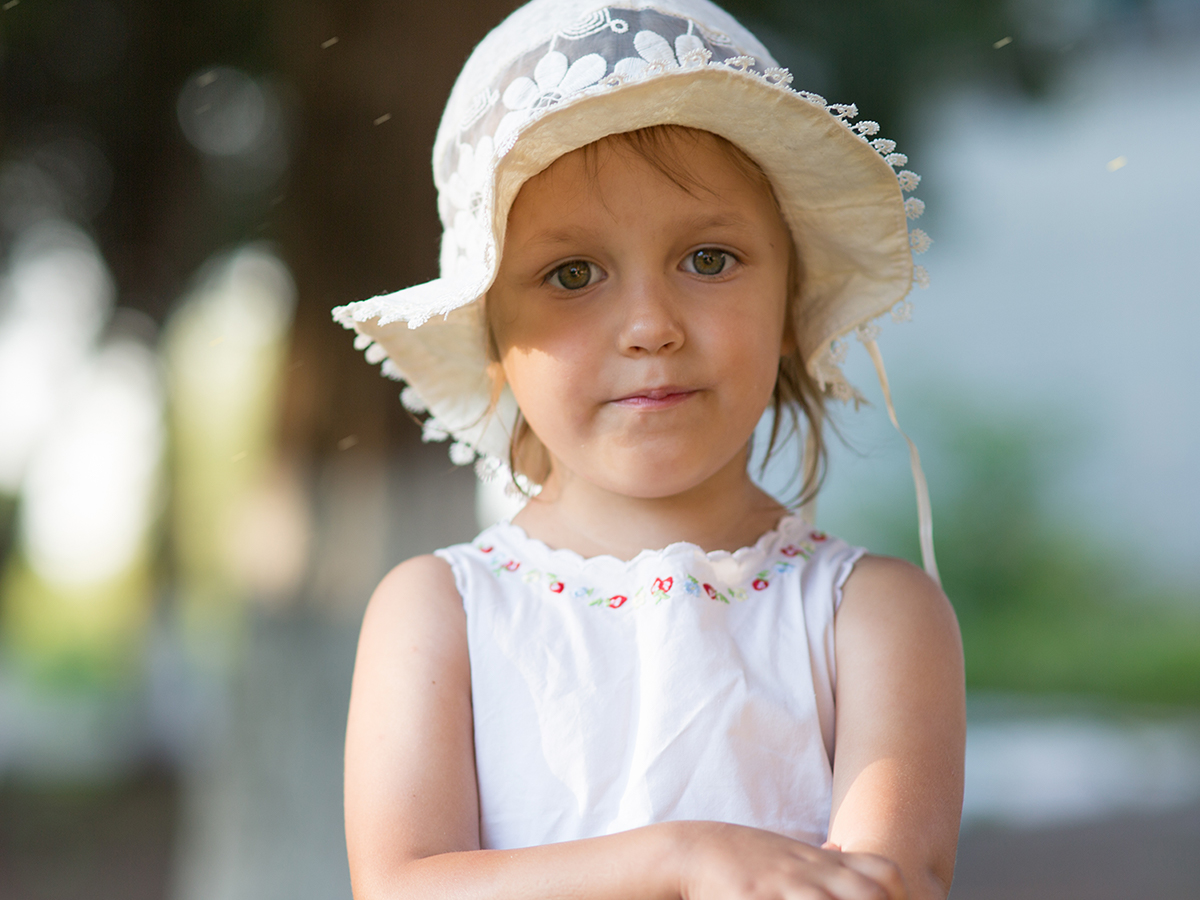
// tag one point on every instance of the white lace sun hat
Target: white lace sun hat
(559, 74)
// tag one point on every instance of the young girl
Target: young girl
(655, 681)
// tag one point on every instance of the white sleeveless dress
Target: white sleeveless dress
(678, 685)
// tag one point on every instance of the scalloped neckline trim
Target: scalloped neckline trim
(790, 525)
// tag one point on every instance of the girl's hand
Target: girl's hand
(730, 862)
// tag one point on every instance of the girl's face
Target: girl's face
(639, 324)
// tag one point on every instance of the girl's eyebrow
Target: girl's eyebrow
(557, 237)
(718, 220)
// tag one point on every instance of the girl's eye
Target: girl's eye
(707, 261)
(574, 275)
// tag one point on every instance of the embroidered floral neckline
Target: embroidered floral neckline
(563, 572)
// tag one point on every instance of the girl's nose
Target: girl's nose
(651, 323)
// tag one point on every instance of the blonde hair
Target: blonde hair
(795, 395)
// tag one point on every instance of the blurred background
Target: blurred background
(201, 481)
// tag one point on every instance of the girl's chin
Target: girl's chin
(660, 481)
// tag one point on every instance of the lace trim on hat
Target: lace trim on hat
(600, 52)
(603, 51)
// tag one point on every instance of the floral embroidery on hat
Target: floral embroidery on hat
(594, 23)
(503, 89)
(656, 55)
(553, 79)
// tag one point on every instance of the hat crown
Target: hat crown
(547, 54)
(575, 29)
(557, 75)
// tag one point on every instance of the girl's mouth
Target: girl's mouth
(655, 398)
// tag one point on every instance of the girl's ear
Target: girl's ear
(795, 287)
(789, 343)
(495, 373)
(527, 455)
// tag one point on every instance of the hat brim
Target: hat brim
(839, 197)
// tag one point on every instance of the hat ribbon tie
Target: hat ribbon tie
(924, 508)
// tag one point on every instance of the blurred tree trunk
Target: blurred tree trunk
(360, 214)
(263, 814)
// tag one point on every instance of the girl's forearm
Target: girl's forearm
(669, 861)
(642, 864)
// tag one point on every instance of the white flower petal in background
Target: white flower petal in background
(241, 309)
(93, 489)
(237, 124)
(241, 523)
(223, 112)
(54, 300)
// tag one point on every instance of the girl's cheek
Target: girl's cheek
(545, 393)
(539, 341)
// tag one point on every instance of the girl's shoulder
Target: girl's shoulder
(889, 598)
(421, 588)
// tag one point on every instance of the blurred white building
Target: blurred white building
(1065, 289)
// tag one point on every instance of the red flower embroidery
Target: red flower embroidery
(818, 536)
(790, 550)
(617, 601)
(557, 587)
(512, 565)
(759, 584)
(711, 591)
(486, 549)
(664, 584)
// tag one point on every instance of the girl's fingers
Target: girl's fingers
(738, 862)
(828, 876)
(841, 887)
(882, 871)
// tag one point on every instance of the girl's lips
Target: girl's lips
(657, 398)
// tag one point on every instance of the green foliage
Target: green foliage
(874, 53)
(8, 521)
(1044, 607)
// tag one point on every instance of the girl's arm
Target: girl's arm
(901, 723)
(412, 809)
